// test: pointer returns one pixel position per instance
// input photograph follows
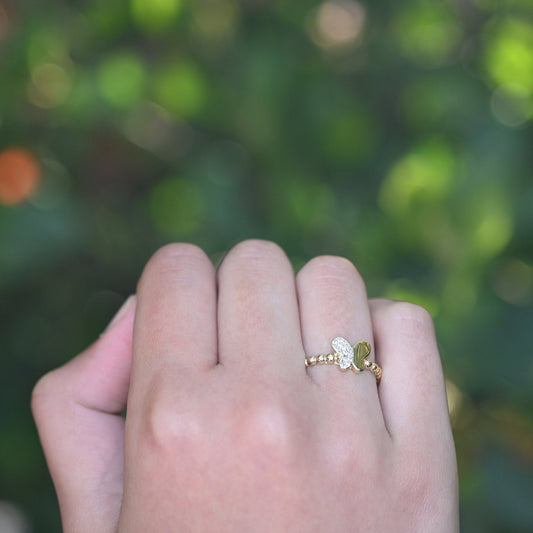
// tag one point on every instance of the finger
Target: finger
(412, 390)
(77, 409)
(259, 325)
(175, 327)
(333, 303)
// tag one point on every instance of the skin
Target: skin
(226, 430)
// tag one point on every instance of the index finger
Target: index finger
(175, 334)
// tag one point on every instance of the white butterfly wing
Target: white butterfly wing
(345, 351)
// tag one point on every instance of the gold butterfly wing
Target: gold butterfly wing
(361, 352)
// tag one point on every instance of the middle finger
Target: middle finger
(258, 320)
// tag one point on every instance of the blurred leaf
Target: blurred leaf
(491, 223)
(122, 79)
(428, 31)
(424, 175)
(509, 52)
(177, 207)
(155, 15)
(350, 136)
(402, 290)
(48, 44)
(181, 89)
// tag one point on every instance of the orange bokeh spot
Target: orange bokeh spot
(20, 174)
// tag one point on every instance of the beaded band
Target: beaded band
(347, 357)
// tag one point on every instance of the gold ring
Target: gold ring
(347, 357)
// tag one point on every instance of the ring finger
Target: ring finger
(333, 303)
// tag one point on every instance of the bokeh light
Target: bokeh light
(492, 223)
(509, 52)
(513, 282)
(152, 128)
(180, 88)
(13, 519)
(455, 400)
(155, 15)
(338, 23)
(428, 32)
(512, 104)
(122, 79)
(422, 176)
(215, 20)
(50, 86)
(20, 174)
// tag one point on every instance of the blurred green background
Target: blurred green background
(398, 134)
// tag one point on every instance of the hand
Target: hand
(227, 431)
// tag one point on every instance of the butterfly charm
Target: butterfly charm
(348, 355)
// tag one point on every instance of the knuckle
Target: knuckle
(415, 320)
(167, 430)
(183, 260)
(333, 277)
(328, 268)
(177, 250)
(45, 393)
(345, 456)
(254, 261)
(269, 434)
(255, 249)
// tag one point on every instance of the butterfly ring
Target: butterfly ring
(347, 357)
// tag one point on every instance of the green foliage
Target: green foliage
(177, 207)
(121, 79)
(156, 15)
(180, 89)
(428, 31)
(397, 134)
